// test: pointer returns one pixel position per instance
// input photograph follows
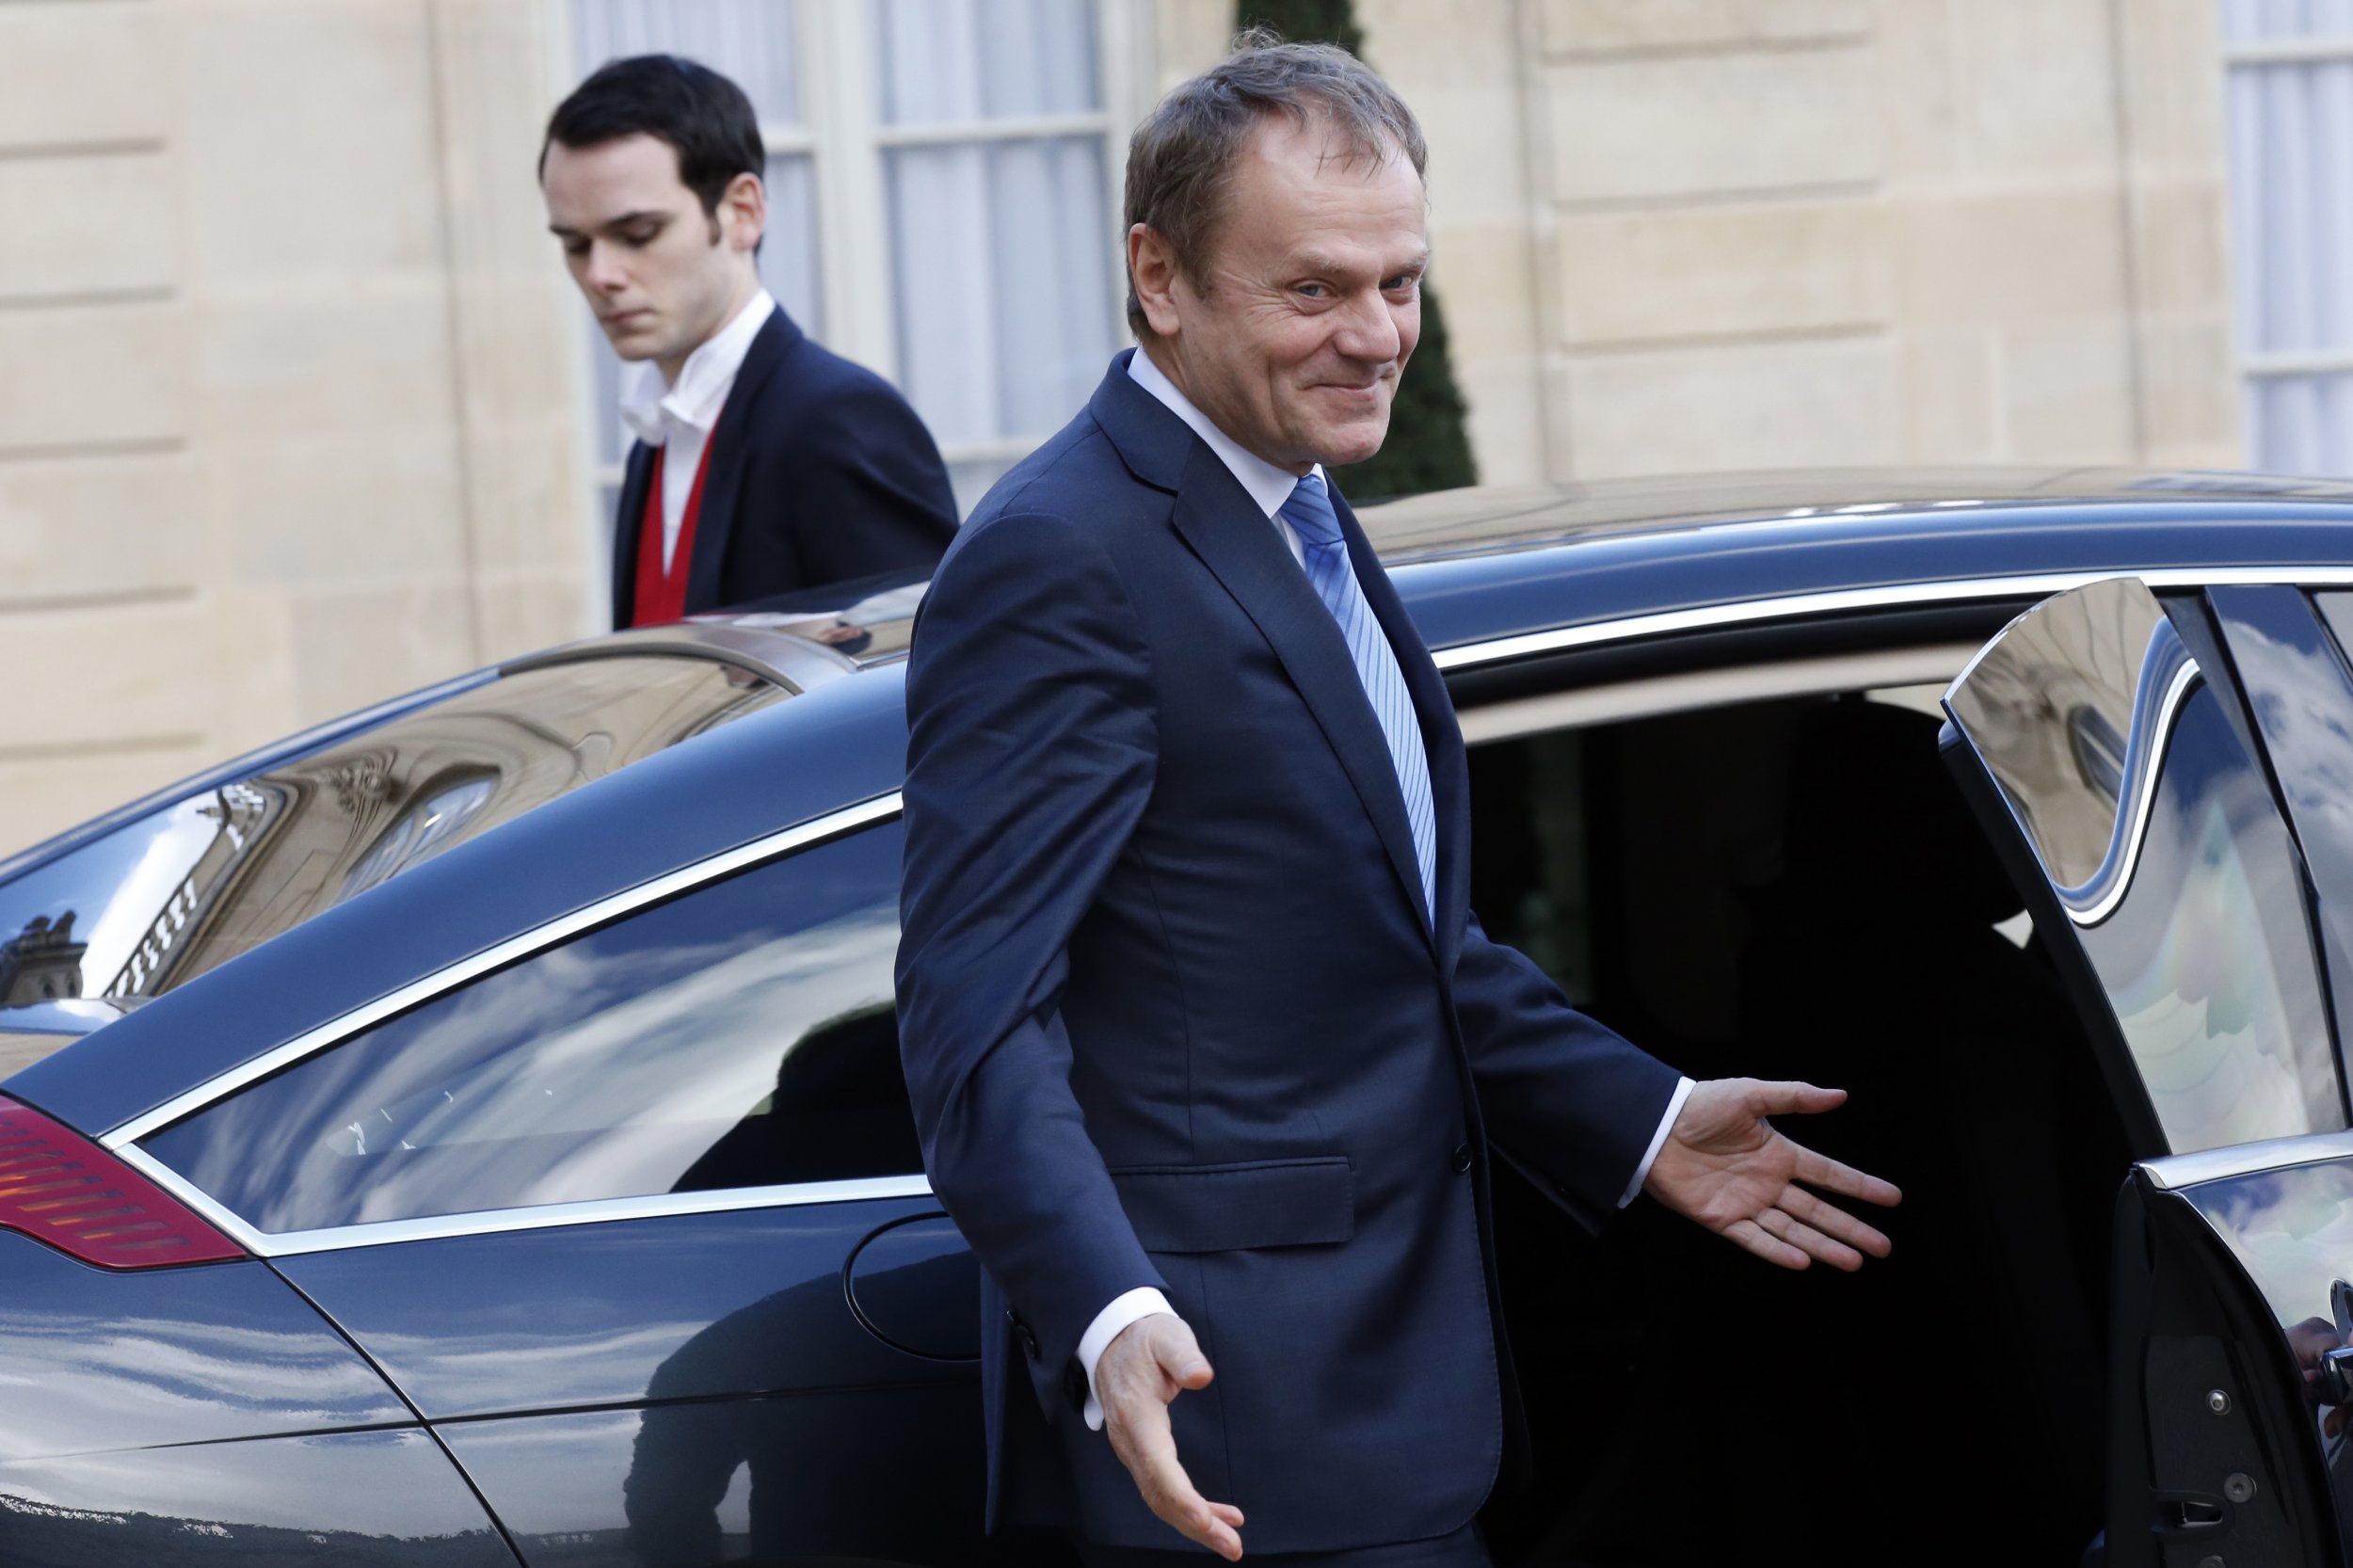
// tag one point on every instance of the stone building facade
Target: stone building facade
(296, 406)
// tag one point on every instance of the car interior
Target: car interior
(1793, 887)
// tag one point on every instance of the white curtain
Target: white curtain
(2291, 125)
(1001, 248)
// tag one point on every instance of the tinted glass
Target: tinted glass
(165, 898)
(739, 1036)
(2159, 835)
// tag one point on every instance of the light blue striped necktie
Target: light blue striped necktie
(1309, 511)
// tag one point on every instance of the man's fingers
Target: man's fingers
(1752, 1236)
(1833, 1221)
(1809, 1241)
(1179, 1354)
(1778, 1097)
(1818, 1170)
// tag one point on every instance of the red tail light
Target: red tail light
(57, 1186)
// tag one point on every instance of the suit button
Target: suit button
(1462, 1161)
(1021, 1331)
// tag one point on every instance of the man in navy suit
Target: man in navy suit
(1207, 1051)
(764, 465)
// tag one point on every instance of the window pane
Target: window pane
(742, 1035)
(951, 61)
(750, 41)
(1001, 268)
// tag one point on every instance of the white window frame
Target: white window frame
(845, 145)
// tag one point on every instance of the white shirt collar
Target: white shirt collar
(1269, 485)
(652, 408)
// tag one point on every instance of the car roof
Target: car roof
(1472, 565)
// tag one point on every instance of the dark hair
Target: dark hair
(705, 118)
(1181, 158)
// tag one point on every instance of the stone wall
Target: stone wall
(286, 407)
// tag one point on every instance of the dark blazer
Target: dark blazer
(1172, 1013)
(819, 472)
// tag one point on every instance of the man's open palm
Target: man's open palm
(1725, 1166)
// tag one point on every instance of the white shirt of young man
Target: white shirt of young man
(678, 418)
(1268, 487)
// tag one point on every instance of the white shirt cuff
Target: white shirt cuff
(1657, 1142)
(1139, 1303)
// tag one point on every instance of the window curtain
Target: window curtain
(1001, 243)
(2291, 131)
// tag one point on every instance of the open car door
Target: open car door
(2148, 767)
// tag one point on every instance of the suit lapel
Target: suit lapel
(1243, 550)
(723, 482)
(629, 517)
(1441, 736)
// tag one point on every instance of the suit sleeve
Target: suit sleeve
(1031, 753)
(868, 487)
(1568, 1100)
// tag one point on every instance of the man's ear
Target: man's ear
(743, 215)
(1152, 272)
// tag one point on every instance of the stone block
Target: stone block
(1188, 37)
(94, 528)
(2181, 245)
(1640, 129)
(111, 674)
(2067, 392)
(359, 354)
(2191, 396)
(87, 225)
(1947, 397)
(115, 374)
(84, 73)
(1802, 404)
(2004, 256)
(310, 144)
(336, 508)
(1612, 26)
(351, 645)
(1716, 271)
(2040, 82)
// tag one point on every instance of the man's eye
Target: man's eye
(1314, 291)
(637, 237)
(575, 247)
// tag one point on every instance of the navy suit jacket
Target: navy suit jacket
(1173, 1015)
(820, 472)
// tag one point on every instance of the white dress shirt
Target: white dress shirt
(1270, 487)
(678, 418)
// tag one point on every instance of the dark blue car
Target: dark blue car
(472, 1132)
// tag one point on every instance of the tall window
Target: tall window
(941, 194)
(2291, 118)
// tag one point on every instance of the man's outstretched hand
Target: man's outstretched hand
(1141, 1372)
(1725, 1166)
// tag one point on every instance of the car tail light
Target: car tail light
(57, 1186)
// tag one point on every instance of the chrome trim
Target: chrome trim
(817, 830)
(2174, 1172)
(1469, 655)
(2097, 899)
(1652, 696)
(794, 662)
(493, 1221)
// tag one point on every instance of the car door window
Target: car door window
(739, 1035)
(2159, 836)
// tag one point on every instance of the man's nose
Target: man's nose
(604, 271)
(1368, 332)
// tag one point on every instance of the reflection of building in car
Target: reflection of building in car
(42, 963)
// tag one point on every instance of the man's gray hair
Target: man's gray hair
(1182, 157)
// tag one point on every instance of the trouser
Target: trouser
(1461, 1549)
